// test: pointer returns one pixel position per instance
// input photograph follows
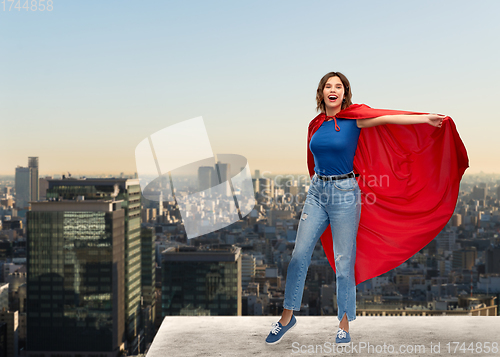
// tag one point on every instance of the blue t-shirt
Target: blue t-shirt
(333, 150)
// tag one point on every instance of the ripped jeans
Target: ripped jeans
(338, 203)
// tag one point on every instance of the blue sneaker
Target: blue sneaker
(343, 338)
(278, 331)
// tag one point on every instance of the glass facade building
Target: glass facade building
(34, 185)
(76, 280)
(202, 278)
(3, 339)
(148, 278)
(23, 187)
(129, 191)
(27, 188)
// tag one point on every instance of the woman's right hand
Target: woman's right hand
(435, 119)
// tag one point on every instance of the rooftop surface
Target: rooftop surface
(206, 336)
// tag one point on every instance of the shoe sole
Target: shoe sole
(275, 342)
(343, 343)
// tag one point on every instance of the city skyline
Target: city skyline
(103, 83)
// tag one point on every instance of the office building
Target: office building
(4, 296)
(265, 190)
(148, 281)
(464, 258)
(148, 262)
(34, 186)
(43, 186)
(23, 187)
(129, 191)
(456, 220)
(76, 278)
(446, 239)
(479, 192)
(3, 340)
(248, 264)
(493, 260)
(206, 178)
(26, 182)
(225, 175)
(11, 319)
(205, 278)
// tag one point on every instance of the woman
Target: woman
(334, 199)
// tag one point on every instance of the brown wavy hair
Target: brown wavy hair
(320, 101)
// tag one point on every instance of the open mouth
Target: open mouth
(332, 97)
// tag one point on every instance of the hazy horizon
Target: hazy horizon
(284, 174)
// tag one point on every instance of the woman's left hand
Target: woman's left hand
(435, 119)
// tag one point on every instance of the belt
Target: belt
(337, 177)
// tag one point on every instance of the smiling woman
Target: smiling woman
(413, 173)
(333, 83)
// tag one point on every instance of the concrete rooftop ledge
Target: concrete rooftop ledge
(184, 336)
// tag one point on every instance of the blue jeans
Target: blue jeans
(338, 203)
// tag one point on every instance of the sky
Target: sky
(82, 85)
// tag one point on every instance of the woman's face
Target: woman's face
(333, 94)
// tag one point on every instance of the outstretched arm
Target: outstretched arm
(431, 119)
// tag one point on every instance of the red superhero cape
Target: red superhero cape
(409, 180)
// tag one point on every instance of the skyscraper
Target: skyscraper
(33, 166)
(160, 205)
(266, 190)
(76, 282)
(23, 187)
(27, 188)
(493, 260)
(206, 178)
(129, 191)
(148, 281)
(225, 175)
(148, 267)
